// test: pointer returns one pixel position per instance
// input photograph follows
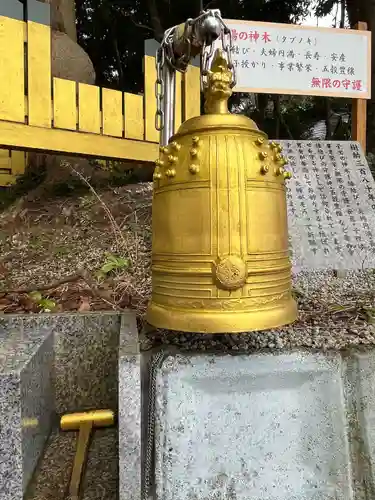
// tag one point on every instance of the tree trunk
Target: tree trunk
(69, 61)
(155, 20)
(342, 13)
(63, 17)
(328, 119)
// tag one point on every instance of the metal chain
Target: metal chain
(159, 89)
(165, 55)
(156, 363)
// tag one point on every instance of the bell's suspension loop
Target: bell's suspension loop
(208, 52)
(179, 45)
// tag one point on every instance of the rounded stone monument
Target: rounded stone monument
(71, 62)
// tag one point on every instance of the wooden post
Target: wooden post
(359, 111)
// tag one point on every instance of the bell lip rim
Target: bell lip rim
(218, 322)
(198, 124)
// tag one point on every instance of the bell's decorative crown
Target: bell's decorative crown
(219, 85)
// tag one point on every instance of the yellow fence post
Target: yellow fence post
(17, 162)
(39, 86)
(191, 94)
(113, 119)
(12, 85)
(134, 117)
(89, 116)
(65, 104)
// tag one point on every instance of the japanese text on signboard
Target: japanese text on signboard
(284, 59)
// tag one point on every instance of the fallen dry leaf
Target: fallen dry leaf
(4, 304)
(3, 270)
(84, 305)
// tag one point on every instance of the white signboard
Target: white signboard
(292, 59)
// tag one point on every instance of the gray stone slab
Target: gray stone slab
(86, 361)
(12, 9)
(130, 448)
(150, 47)
(39, 12)
(10, 438)
(85, 356)
(331, 206)
(360, 383)
(37, 406)
(26, 401)
(23, 327)
(267, 426)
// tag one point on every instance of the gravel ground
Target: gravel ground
(48, 241)
(334, 313)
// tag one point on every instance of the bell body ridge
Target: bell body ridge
(220, 240)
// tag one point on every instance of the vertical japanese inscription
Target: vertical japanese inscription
(331, 205)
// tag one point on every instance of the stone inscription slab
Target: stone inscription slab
(331, 205)
(261, 427)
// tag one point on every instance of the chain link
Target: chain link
(164, 55)
(155, 364)
(159, 89)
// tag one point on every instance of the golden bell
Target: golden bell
(220, 240)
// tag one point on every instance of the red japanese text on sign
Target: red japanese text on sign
(251, 36)
(327, 83)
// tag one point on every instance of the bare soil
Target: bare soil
(57, 246)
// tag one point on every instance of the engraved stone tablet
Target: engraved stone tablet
(331, 205)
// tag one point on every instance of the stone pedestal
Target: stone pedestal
(286, 426)
(52, 364)
(269, 426)
(129, 371)
(63, 16)
(26, 401)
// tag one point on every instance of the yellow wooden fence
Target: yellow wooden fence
(41, 113)
(12, 164)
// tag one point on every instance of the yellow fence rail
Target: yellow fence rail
(41, 113)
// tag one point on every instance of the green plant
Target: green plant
(113, 263)
(43, 303)
(61, 251)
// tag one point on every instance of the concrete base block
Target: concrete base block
(26, 401)
(86, 359)
(129, 410)
(270, 427)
